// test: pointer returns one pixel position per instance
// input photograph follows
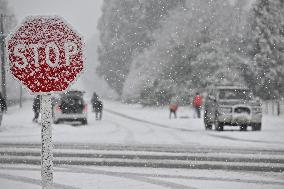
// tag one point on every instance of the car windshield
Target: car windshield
(235, 94)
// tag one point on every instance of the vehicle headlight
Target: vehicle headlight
(225, 110)
(257, 109)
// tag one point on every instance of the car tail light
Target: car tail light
(58, 109)
(85, 108)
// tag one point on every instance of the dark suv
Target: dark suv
(70, 106)
(232, 106)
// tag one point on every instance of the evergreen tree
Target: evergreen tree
(195, 47)
(12, 87)
(267, 24)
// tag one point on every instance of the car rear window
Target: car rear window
(72, 100)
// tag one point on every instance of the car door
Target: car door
(209, 108)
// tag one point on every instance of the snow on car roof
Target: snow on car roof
(73, 93)
(231, 87)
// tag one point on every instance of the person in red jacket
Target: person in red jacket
(173, 107)
(197, 103)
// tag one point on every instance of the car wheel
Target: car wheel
(84, 122)
(56, 121)
(219, 126)
(243, 128)
(208, 126)
(256, 127)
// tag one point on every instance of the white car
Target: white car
(232, 106)
(70, 106)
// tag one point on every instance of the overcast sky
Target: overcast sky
(81, 14)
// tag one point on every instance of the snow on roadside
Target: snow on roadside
(271, 136)
(150, 126)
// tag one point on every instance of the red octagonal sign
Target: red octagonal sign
(45, 54)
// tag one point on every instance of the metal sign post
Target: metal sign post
(46, 143)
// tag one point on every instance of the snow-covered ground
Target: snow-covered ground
(28, 177)
(135, 125)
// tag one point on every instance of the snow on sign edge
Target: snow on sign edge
(13, 31)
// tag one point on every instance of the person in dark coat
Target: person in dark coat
(98, 108)
(36, 108)
(3, 107)
(94, 99)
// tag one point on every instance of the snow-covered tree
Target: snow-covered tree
(267, 50)
(125, 31)
(12, 87)
(194, 47)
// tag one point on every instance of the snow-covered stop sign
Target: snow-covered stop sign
(45, 54)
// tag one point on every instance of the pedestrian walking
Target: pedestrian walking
(173, 108)
(3, 107)
(98, 108)
(94, 99)
(36, 108)
(197, 103)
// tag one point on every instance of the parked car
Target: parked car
(69, 106)
(232, 106)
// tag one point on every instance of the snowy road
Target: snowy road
(120, 166)
(142, 148)
(149, 156)
(134, 125)
(92, 177)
